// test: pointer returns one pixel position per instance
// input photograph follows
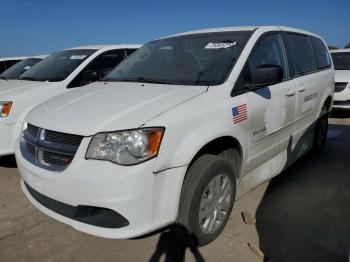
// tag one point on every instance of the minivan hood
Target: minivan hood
(342, 75)
(9, 89)
(102, 107)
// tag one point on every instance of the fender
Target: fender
(186, 134)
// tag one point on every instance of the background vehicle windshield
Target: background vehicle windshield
(16, 70)
(197, 59)
(341, 60)
(57, 66)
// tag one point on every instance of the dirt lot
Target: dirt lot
(301, 215)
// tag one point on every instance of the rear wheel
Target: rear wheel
(206, 199)
(321, 129)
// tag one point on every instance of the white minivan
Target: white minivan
(177, 131)
(52, 76)
(7, 62)
(341, 60)
(15, 71)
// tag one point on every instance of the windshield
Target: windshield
(16, 70)
(197, 59)
(341, 60)
(57, 66)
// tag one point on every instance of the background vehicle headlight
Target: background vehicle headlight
(126, 147)
(5, 108)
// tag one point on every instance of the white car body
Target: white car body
(342, 84)
(27, 94)
(275, 133)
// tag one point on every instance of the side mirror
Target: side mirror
(90, 76)
(265, 75)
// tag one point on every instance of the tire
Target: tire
(204, 208)
(321, 129)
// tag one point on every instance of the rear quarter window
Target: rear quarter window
(301, 52)
(321, 52)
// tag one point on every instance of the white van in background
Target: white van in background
(178, 130)
(52, 76)
(14, 72)
(341, 61)
(7, 62)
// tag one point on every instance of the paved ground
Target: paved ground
(301, 215)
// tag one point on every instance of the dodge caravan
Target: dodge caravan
(177, 131)
(15, 71)
(54, 75)
(341, 60)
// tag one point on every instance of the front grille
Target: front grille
(48, 149)
(57, 159)
(340, 86)
(66, 139)
(342, 103)
(33, 130)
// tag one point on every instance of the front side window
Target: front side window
(16, 70)
(99, 67)
(341, 60)
(57, 66)
(269, 51)
(301, 52)
(321, 51)
(196, 59)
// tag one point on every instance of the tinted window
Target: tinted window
(195, 59)
(19, 68)
(4, 65)
(102, 65)
(269, 51)
(130, 51)
(341, 60)
(321, 52)
(57, 66)
(301, 52)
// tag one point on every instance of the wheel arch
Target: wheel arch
(218, 145)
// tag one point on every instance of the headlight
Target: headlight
(126, 147)
(5, 108)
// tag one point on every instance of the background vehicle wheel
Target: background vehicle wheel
(321, 129)
(207, 198)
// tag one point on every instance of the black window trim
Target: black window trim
(69, 86)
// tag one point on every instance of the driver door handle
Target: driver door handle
(301, 89)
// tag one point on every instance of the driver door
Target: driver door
(271, 109)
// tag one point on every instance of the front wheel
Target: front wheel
(207, 198)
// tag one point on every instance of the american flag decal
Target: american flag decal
(239, 113)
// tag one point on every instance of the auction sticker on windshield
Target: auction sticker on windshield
(219, 45)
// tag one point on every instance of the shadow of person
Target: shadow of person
(305, 212)
(174, 243)
(8, 161)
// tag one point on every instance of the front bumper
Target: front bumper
(146, 200)
(342, 99)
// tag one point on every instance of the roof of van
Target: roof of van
(245, 28)
(97, 47)
(340, 50)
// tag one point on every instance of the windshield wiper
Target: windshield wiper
(3, 77)
(142, 80)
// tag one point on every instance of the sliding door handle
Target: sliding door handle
(291, 92)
